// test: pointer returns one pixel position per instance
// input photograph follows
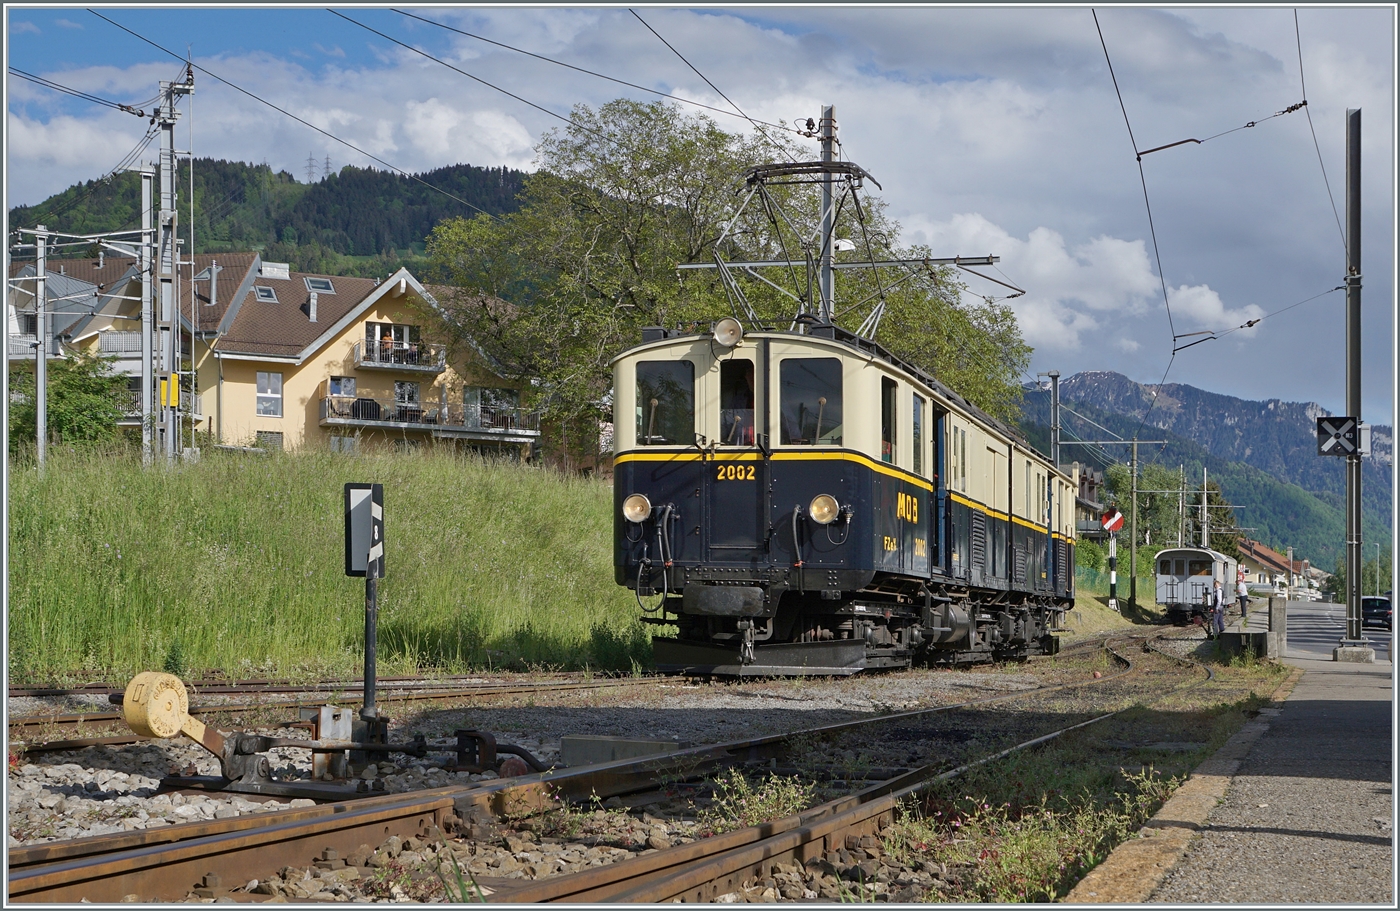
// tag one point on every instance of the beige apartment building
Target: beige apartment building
(290, 360)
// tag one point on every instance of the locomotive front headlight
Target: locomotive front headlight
(636, 508)
(824, 509)
(729, 331)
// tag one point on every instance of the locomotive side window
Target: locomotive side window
(736, 427)
(810, 400)
(889, 395)
(665, 403)
(1200, 567)
(918, 435)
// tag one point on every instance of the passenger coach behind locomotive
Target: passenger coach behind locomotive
(1185, 578)
(804, 502)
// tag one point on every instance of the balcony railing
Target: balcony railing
(486, 419)
(385, 355)
(24, 346)
(191, 405)
(119, 343)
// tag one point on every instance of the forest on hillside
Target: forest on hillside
(1278, 513)
(357, 221)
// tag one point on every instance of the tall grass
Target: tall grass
(236, 563)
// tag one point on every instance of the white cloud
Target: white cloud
(1204, 309)
(1064, 286)
(24, 28)
(65, 23)
(1128, 345)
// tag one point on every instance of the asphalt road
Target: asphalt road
(1315, 627)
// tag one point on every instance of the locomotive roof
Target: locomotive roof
(870, 346)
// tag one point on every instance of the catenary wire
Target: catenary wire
(327, 134)
(1298, 37)
(509, 94)
(579, 69)
(1142, 175)
(710, 84)
(59, 87)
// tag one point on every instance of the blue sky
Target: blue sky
(991, 130)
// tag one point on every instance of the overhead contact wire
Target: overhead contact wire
(1298, 37)
(280, 110)
(710, 84)
(579, 69)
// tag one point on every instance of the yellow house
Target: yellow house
(345, 363)
(281, 359)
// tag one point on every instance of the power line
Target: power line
(463, 72)
(1298, 37)
(1142, 175)
(329, 135)
(709, 83)
(58, 87)
(579, 69)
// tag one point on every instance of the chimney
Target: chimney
(214, 283)
(101, 258)
(312, 306)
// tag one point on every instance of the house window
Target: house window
(270, 394)
(392, 343)
(343, 385)
(320, 285)
(29, 324)
(266, 294)
(267, 439)
(342, 443)
(406, 404)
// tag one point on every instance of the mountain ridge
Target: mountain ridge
(1262, 453)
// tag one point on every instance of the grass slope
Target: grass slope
(236, 563)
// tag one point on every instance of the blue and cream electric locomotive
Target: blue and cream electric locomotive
(804, 502)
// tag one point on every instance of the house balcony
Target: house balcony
(456, 422)
(23, 346)
(191, 408)
(401, 357)
(119, 344)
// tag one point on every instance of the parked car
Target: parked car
(1375, 612)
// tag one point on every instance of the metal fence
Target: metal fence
(462, 417)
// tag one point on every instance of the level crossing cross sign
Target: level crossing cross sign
(1337, 436)
(1113, 521)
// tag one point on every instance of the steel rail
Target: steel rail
(703, 870)
(165, 864)
(74, 723)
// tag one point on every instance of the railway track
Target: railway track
(69, 731)
(168, 863)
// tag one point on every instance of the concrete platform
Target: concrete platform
(1297, 807)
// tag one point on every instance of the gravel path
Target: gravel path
(1309, 815)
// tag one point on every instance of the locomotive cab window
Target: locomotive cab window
(810, 400)
(736, 417)
(665, 403)
(889, 395)
(1200, 567)
(918, 435)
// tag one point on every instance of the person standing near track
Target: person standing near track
(1217, 604)
(1243, 592)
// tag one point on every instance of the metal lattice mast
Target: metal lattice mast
(167, 257)
(826, 282)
